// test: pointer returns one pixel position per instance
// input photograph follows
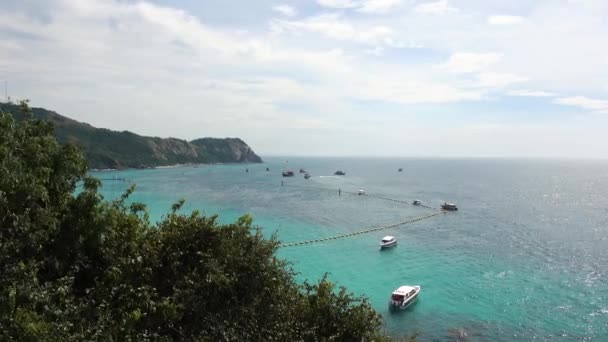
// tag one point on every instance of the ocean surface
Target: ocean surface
(525, 257)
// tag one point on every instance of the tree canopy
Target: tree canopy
(75, 266)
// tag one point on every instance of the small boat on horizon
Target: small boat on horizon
(287, 173)
(449, 206)
(417, 202)
(400, 169)
(306, 175)
(302, 171)
(360, 192)
(388, 242)
(402, 297)
(340, 173)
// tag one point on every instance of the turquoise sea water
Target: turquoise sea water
(525, 257)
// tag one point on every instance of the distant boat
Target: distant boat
(360, 192)
(287, 173)
(306, 175)
(449, 206)
(339, 173)
(400, 169)
(388, 241)
(402, 297)
(416, 202)
(267, 169)
(302, 171)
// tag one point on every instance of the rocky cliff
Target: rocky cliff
(107, 149)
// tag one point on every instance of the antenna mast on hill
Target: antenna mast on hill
(6, 91)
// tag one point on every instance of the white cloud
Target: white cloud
(438, 7)
(530, 93)
(470, 62)
(337, 3)
(364, 6)
(285, 10)
(332, 26)
(498, 80)
(558, 45)
(275, 90)
(600, 106)
(504, 19)
(376, 51)
(378, 6)
(412, 92)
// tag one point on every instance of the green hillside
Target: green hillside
(107, 149)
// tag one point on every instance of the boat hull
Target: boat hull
(388, 244)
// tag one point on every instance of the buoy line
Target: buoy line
(340, 191)
(370, 230)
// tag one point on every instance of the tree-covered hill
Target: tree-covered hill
(107, 149)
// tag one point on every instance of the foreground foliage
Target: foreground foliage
(76, 267)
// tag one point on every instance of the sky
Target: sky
(419, 78)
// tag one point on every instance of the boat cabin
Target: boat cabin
(387, 239)
(339, 173)
(402, 293)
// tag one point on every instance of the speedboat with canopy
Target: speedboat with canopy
(402, 297)
(388, 241)
(449, 206)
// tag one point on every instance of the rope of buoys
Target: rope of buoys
(388, 199)
(357, 193)
(342, 236)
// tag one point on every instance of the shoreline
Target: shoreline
(172, 166)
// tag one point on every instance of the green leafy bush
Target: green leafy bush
(77, 267)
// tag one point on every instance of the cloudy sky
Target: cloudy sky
(323, 77)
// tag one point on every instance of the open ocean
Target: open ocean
(525, 257)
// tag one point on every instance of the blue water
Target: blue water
(525, 257)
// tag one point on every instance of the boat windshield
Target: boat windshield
(387, 240)
(397, 297)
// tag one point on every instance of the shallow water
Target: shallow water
(525, 257)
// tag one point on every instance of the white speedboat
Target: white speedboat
(449, 206)
(361, 192)
(402, 297)
(388, 241)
